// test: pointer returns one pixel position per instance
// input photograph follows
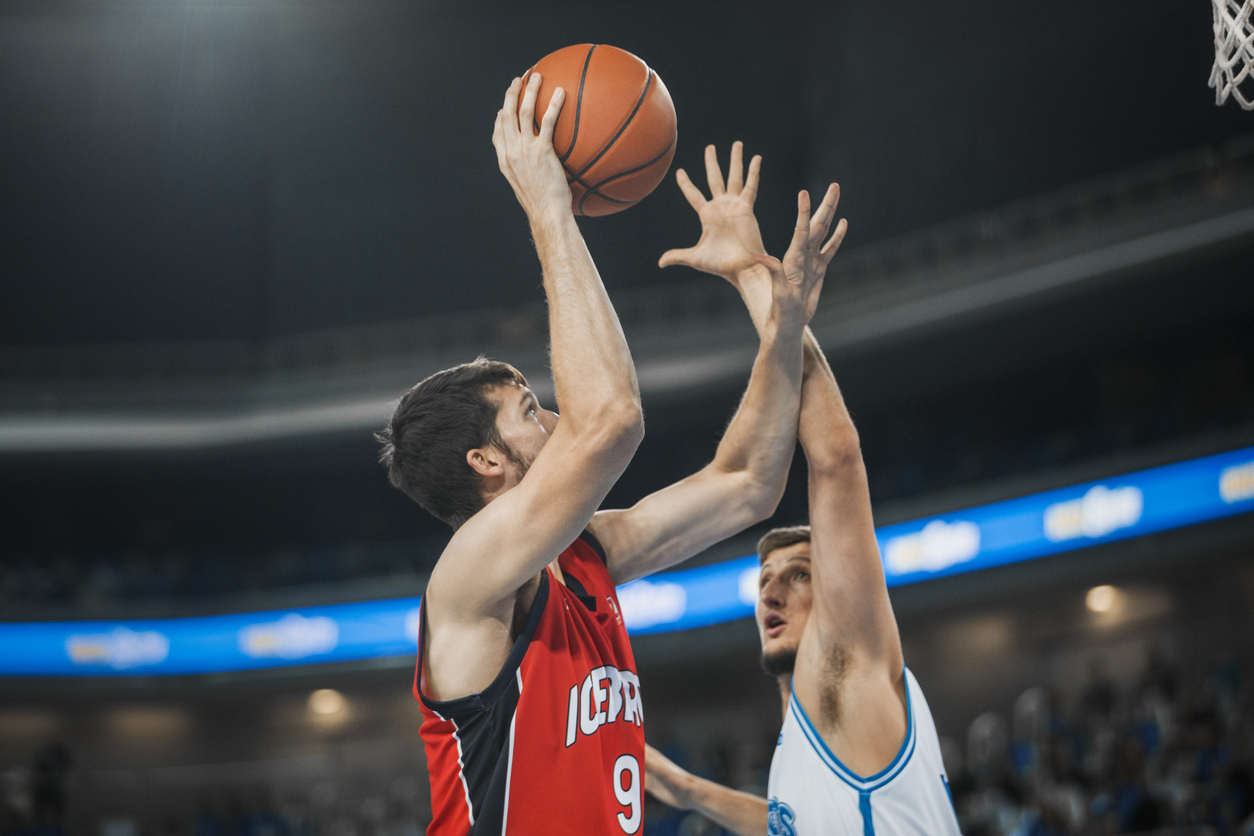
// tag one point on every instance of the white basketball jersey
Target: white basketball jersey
(811, 792)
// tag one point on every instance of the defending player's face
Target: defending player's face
(783, 600)
(523, 424)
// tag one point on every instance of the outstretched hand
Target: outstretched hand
(730, 239)
(797, 281)
(527, 159)
(731, 242)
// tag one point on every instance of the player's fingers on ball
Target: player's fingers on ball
(713, 173)
(548, 123)
(750, 190)
(527, 111)
(695, 199)
(511, 96)
(735, 168)
(510, 122)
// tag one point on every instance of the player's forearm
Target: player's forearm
(848, 577)
(825, 428)
(593, 373)
(740, 812)
(759, 442)
(754, 284)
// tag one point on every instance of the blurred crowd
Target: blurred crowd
(1170, 755)
(1168, 752)
(40, 800)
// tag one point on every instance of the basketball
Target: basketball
(616, 132)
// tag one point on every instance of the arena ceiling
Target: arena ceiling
(179, 171)
(214, 184)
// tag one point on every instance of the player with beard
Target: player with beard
(531, 704)
(858, 753)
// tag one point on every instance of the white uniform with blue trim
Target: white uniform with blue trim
(811, 792)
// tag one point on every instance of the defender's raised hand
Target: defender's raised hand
(730, 239)
(528, 160)
(797, 281)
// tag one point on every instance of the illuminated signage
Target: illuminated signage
(997, 534)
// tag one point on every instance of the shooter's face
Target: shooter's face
(524, 426)
(784, 598)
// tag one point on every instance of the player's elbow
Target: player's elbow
(616, 430)
(761, 499)
(835, 452)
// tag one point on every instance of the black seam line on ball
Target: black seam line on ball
(593, 191)
(596, 188)
(641, 167)
(587, 194)
(574, 135)
(640, 101)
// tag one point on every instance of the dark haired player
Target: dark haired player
(532, 707)
(858, 753)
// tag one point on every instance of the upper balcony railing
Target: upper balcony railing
(683, 333)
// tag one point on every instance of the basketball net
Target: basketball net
(1234, 51)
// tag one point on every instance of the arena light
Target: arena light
(1026, 528)
(1101, 599)
(326, 701)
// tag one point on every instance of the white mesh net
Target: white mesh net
(1234, 52)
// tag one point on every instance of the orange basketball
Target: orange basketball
(616, 133)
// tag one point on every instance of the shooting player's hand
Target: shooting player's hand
(527, 160)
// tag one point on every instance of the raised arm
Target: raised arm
(850, 653)
(472, 591)
(851, 604)
(851, 599)
(745, 480)
(739, 812)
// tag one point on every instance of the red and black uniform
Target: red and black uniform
(555, 744)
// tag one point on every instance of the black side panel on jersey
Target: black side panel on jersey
(484, 737)
(483, 722)
(588, 537)
(574, 584)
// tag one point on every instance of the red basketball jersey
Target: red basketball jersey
(555, 744)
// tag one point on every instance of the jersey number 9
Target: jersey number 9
(627, 791)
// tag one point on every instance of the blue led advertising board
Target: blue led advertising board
(1000, 533)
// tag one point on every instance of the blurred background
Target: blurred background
(232, 233)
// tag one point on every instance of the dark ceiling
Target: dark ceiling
(220, 170)
(194, 170)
